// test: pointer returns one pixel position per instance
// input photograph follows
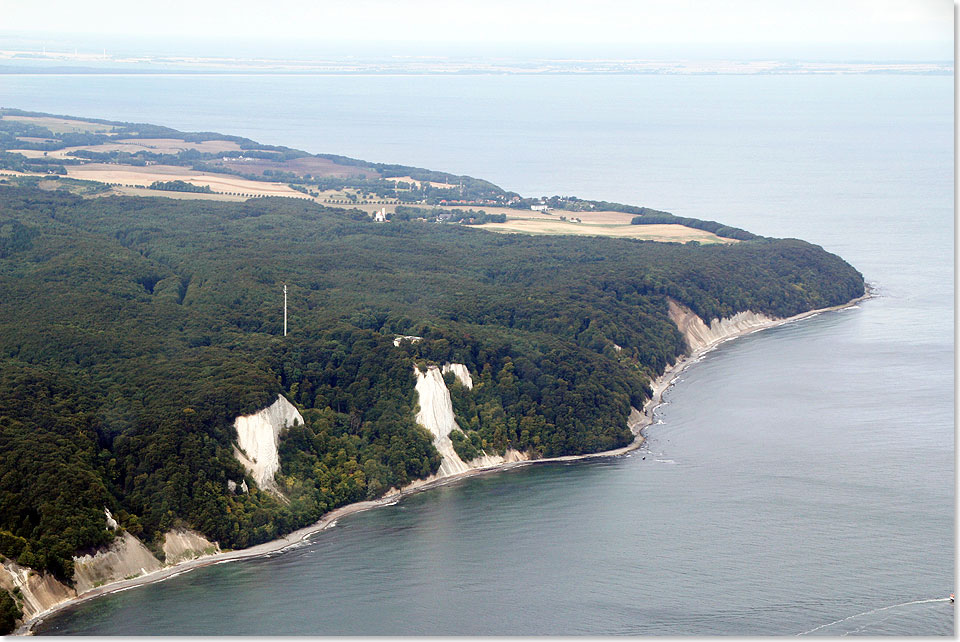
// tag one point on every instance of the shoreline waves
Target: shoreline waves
(300, 537)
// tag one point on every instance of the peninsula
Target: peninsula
(153, 414)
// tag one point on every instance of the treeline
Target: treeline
(465, 216)
(472, 217)
(645, 215)
(466, 187)
(180, 186)
(719, 229)
(10, 610)
(20, 163)
(134, 331)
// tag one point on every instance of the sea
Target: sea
(800, 480)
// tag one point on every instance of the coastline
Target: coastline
(659, 386)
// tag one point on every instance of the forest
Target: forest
(134, 330)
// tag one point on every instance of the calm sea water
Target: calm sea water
(801, 480)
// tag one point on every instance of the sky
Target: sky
(853, 29)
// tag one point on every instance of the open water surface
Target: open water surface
(802, 478)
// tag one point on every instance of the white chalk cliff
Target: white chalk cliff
(436, 415)
(699, 335)
(40, 590)
(124, 557)
(111, 522)
(182, 544)
(258, 439)
(460, 371)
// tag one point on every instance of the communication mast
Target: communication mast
(284, 309)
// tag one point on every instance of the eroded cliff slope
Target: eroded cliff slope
(258, 439)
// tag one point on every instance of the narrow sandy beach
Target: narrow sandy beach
(298, 537)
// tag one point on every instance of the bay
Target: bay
(801, 477)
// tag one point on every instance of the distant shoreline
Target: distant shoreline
(23, 62)
(659, 386)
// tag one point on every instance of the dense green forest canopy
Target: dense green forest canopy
(134, 330)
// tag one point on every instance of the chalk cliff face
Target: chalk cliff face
(461, 372)
(124, 557)
(636, 421)
(700, 336)
(436, 415)
(182, 544)
(488, 461)
(258, 437)
(40, 591)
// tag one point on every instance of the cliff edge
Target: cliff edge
(700, 336)
(258, 438)
(436, 415)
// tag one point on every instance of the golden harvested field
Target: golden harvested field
(369, 208)
(34, 139)
(594, 224)
(509, 211)
(665, 232)
(598, 217)
(407, 179)
(131, 180)
(142, 176)
(36, 153)
(144, 191)
(62, 125)
(134, 145)
(318, 167)
(605, 223)
(174, 145)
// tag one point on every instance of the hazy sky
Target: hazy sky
(918, 29)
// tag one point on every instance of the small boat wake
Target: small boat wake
(879, 610)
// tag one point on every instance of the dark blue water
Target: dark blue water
(802, 479)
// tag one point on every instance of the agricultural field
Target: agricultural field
(63, 125)
(664, 232)
(218, 167)
(134, 145)
(349, 198)
(417, 184)
(128, 175)
(304, 166)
